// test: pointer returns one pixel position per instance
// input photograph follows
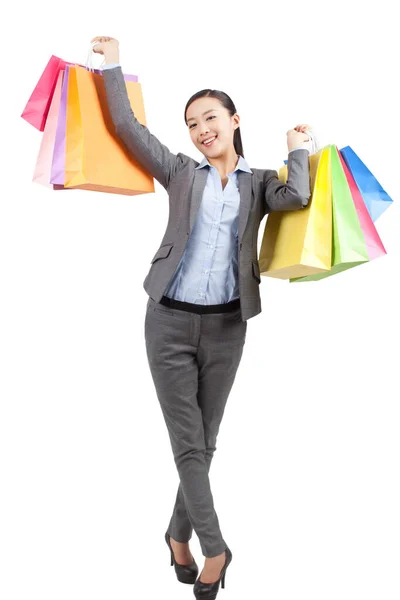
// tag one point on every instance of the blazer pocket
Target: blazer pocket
(162, 252)
(256, 271)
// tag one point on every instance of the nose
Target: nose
(204, 130)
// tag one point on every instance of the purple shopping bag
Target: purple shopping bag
(57, 166)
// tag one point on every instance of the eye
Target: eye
(210, 117)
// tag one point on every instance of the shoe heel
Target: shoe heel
(184, 573)
(223, 580)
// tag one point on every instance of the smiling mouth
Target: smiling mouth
(209, 144)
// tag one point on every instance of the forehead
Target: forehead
(201, 105)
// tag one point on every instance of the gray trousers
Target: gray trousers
(193, 360)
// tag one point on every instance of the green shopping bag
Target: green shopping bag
(349, 248)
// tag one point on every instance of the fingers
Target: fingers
(101, 38)
(302, 128)
(98, 48)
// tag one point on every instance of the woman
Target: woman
(203, 285)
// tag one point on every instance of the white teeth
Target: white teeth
(209, 141)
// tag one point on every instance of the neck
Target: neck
(225, 163)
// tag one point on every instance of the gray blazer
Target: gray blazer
(260, 193)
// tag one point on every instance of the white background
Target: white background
(306, 474)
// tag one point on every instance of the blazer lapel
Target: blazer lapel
(245, 180)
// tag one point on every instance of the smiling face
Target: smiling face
(206, 118)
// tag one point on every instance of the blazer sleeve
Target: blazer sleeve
(295, 193)
(154, 156)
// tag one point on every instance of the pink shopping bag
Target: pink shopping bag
(44, 160)
(374, 244)
(38, 105)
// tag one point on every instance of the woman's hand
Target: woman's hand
(295, 137)
(108, 46)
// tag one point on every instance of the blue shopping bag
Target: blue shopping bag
(374, 196)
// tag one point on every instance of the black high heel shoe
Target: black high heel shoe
(184, 573)
(209, 591)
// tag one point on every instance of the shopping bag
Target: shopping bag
(348, 244)
(375, 247)
(299, 242)
(57, 173)
(58, 159)
(42, 170)
(96, 159)
(374, 196)
(38, 105)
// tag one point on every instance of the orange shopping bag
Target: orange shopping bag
(96, 158)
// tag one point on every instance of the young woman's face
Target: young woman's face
(207, 117)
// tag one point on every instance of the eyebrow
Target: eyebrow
(204, 113)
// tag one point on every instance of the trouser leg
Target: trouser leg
(174, 346)
(217, 366)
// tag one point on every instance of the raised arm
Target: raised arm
(145, 147)
(293, 195)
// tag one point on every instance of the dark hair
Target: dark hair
(228, 104)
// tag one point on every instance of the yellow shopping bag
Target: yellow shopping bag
(299, 242)
(96, 159)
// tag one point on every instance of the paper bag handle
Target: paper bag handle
(312, 145)
(89, 59)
